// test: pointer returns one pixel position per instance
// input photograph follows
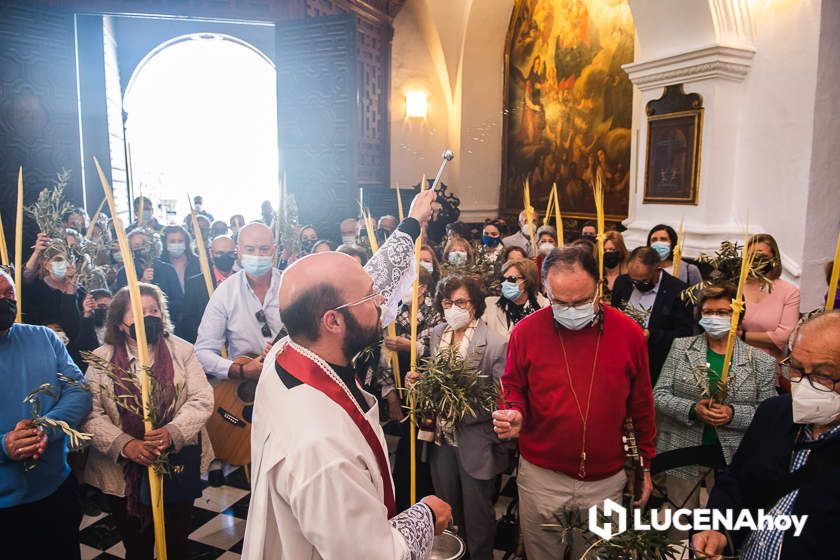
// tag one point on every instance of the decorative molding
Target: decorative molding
(715, 62)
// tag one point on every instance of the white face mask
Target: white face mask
(715, 327)
(526, 230)
(430, 267)
(811, 406)
(546, 248)
(348, 239)
(456, 317)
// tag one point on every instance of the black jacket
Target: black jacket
(166, 279)
(764, 458)
(670, 317)
(195, 301)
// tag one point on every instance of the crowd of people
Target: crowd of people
(576, 354)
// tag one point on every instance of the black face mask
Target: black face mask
(8, 312)
(99, 315)
(589, 237)
(643, 285)
(611, 259)
(224, 262)
(763, 264)
(154, 328)
(307, 244)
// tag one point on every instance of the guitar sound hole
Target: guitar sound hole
(247, 391)
(247, 413)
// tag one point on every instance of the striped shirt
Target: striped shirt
(766, 544)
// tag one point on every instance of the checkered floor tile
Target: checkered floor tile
(218, 525)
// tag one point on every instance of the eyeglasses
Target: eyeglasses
(365, 299)
(266, 330)
(580, 305)
(513, 279)
(819, 381)
(459, 303)
(717, 312)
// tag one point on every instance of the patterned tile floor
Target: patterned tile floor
(218, 525)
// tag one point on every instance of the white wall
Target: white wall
(416, 145)
(453, 50)
(823, 214)
(777, 125)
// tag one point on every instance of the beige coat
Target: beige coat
(104, 468)
(495, 317)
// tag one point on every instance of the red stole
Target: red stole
(307, 371)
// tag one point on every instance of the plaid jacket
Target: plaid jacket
(751, 381)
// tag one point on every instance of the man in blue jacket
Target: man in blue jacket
(40, 510)
(789, 459)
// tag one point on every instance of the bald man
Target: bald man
(321, 485)
(223, 255)
(797, 433)
(243, 313)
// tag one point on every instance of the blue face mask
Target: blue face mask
(664, 249)
(490, 241)
(256, 265)
(511, 290)
(716, 327)
(574, 318)
(59, 269)
(176, 249)
(458, 258)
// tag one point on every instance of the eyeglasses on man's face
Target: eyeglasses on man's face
(370, 297)
(580, 305)
(825, 382)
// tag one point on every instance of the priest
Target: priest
(322, 484)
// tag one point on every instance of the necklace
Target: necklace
(583, 417)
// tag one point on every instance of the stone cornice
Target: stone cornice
(714, 62)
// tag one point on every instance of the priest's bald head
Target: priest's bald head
(328, 304)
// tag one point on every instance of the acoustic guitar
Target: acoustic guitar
(637, 462)
(229, 426)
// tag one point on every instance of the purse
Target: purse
(184, 483)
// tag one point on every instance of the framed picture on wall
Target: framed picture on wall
(672, 162)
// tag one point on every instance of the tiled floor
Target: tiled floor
(218, 525)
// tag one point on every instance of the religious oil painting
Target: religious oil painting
(568, 104)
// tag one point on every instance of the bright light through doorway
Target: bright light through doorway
(202, 119)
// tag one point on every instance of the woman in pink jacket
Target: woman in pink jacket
(771, 314)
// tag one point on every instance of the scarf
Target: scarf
(132, 423)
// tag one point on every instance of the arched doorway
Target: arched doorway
(202, 119)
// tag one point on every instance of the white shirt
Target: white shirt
(643, 301)
(231, 319)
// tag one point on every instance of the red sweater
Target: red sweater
(552, 428)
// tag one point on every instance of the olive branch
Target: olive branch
(76, 440)
(451, 389)
(129, 383)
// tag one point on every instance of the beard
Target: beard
(358, 337)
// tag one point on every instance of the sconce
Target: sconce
(415, 104)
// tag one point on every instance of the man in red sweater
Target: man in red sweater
(575, 371)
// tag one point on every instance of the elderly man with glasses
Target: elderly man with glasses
(575, 371)
(789, 459)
